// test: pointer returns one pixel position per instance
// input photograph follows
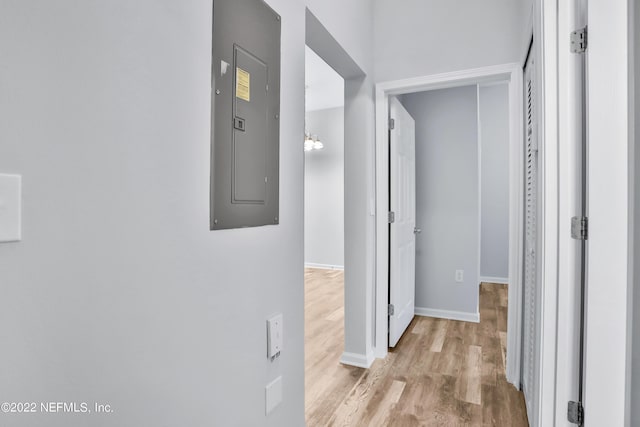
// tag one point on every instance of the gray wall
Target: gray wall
(446, 197)
(359, 226)
(422, 37)
(494, 200)
(118, 292)
(324, 190)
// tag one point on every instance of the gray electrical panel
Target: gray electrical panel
(245, 114)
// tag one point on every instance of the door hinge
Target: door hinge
(391, 218)
(580, 227)
(575, 413)
(391, 310)
(578, 40)
(392, 124)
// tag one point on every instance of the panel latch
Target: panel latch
(239, 124)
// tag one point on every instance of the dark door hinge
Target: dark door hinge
(575, 413)
(578, 40)
(392, 217)
(392, 124)
(580, 227)
(391, 310)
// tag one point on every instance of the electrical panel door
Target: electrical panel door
(245, 110)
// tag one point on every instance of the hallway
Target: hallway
(442, 373)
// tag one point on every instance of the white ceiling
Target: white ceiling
(324, 87)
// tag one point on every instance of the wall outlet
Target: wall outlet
(459, 276)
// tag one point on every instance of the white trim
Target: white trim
(323, 266)
(547, 43)
(479, 163)
(459, 78)
(571, 15)
(511, 73)
(608, 209)
(448, 314)
(516, 228)
(357, 360)
(498, 280)
(489, 84)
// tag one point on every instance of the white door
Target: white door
(531, 303)
(402, 250)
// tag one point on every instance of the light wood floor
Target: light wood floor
(442, 373)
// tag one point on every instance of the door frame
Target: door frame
(611, 212)
(512, 74)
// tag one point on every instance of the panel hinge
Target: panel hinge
(575, 413)
(392, 124)
(391, 217)
(578, 40)
(391, 310)
(580, 227)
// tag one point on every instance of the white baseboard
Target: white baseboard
(357, 360)
(323, 266)
(498, 280)
(448, 314)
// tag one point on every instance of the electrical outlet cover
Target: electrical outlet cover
(274, 336)
(273, 395)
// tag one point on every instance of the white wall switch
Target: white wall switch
(10, 208)
(459, 276)
(274, 336)
(273, 395)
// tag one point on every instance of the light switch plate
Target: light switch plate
(273, 395)
(10, 208)
(274, 336)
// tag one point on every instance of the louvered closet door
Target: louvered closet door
(531, 339)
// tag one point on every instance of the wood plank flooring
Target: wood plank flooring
(442, 373)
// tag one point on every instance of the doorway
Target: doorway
(462, 164)
(323, 229)
(455, 212)
(511, 74)
(324, 165)
(358, 169)
(354, 348)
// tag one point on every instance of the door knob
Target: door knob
(417, 230)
